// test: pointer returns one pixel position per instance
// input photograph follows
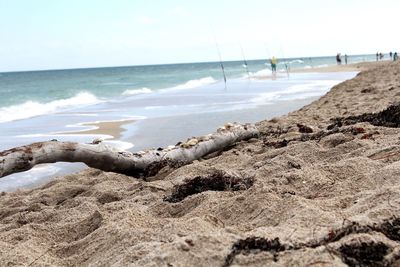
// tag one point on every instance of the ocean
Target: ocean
(164, 103)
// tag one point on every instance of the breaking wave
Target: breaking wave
(143, 90)
(196, 83)
(298, 91)
(32, 108)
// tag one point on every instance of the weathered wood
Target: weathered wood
(107, 158)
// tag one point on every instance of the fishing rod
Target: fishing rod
(268, 54)
(287, 67)
(220, 60)
(245, 62)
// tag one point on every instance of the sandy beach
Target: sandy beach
(339, 68)
(113, 129)
(352, 67)
(316, 188)
(342, 68)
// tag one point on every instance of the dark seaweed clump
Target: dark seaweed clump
(254, 245)
(364, 254)
(217, 181)
(389, 117)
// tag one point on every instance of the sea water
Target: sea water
(167, 103)
(28, 94)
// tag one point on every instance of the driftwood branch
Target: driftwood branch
(107, 158)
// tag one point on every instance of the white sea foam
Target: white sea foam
(267, 73)
(298, 91)
(296, 61)
(195, 83)
(143, 90)
(261, 73)
(31, 108)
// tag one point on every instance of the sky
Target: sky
(59, 34)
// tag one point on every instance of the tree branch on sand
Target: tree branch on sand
(107, 158)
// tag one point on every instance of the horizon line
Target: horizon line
(175, 63)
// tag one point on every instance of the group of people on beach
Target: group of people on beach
(339, 59)
(393, 56)
(379, 56)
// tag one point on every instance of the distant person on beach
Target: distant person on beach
(381, 56)
(274, 61)
(338, 59)
(377, 56)
(391, 55)
(345, 58)
(395, 56)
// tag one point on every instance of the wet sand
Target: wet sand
(302, 194)
(113, 129)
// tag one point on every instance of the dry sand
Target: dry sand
(344, 67)
(330, 200)
(334, 68)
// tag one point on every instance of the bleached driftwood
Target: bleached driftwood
(107, 158)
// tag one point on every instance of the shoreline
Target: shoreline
(343, 67)
(352, 67)
(112, 128)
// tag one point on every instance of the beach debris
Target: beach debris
(107, 158)
(356, 251)
(294, 165)
(216, 181)
(363, 253)
(269, 141)
(390, 117)
(97, 141)
(368, 90)
(228, 125)
(254, 245)
(304, 128)
(276, 144)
